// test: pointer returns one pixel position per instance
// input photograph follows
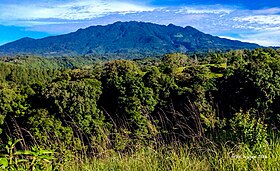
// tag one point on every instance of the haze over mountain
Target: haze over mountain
(124, 38)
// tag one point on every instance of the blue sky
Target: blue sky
(255, 21)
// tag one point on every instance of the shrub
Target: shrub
(248, 129)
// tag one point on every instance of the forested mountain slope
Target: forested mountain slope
(124, 38)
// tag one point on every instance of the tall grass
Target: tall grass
(193, 157)
(121, 152)
(180, 157)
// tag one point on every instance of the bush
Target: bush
(248, 129)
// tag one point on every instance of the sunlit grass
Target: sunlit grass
(183, 158)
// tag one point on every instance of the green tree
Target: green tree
(75, 102)
(125, 95)
(13, 102)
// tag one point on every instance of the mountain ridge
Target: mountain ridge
(125, 38)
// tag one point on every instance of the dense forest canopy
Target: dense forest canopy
(231, 96)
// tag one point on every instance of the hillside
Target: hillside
(124, 38)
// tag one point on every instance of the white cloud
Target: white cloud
(76, 10)
(204, 10)
(268, 11)
(261, 38)
(260, 19)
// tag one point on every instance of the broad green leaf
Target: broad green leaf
(3, 163)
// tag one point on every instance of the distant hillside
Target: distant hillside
(124, 38)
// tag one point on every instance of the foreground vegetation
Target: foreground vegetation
(216, 111)
(183, 158)
(173, 157)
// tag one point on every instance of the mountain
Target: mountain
(124, 38)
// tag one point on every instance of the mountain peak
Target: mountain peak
(25, 39)
(172, 25)
(131, 37)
